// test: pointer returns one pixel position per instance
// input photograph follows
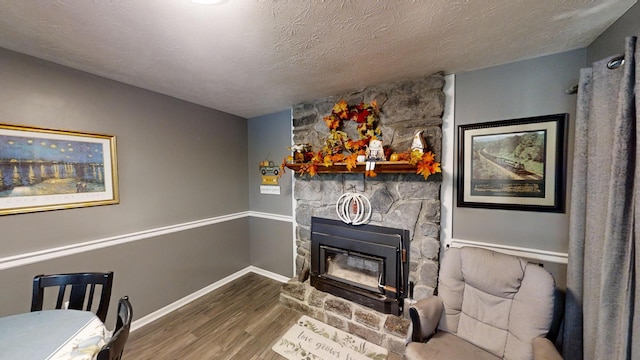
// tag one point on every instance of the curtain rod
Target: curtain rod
(614, 63)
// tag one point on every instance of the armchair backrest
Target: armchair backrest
(495, 301)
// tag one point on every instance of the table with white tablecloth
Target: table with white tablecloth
(51, 335)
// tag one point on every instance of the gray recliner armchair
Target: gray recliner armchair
(489, 306)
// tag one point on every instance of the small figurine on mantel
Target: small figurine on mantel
(418, 142)
(375, 152)
(300, 152)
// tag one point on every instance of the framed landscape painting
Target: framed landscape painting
(45, 169)
(517, 164)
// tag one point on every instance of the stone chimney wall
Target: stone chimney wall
(405, 201)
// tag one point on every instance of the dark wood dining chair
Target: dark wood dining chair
(114, 347)
(80, 284)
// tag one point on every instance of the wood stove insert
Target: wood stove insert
(366, 264)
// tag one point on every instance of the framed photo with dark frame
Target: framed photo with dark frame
(517, 164)
(45, 169)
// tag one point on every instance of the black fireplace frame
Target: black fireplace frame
(387, 243)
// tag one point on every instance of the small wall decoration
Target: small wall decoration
(269, 173)
(45, 169)
(513, 164)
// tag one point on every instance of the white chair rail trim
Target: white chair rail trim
(57, 252)
(527, 253)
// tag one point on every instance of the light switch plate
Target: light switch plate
(271, 190)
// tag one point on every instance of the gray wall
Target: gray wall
(611, 42)
(268, 138)
(178, 162)
(153, 272)
(272, 245)
(522, 89)
(271, 239)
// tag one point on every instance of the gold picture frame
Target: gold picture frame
(46, 169)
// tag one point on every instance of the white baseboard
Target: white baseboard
(269, 274)
(191, 297)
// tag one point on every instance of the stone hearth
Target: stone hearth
(388, 331)
(404, 201)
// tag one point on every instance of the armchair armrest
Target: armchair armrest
(543, 349)
(425, 315)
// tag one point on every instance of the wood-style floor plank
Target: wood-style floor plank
(240, 320)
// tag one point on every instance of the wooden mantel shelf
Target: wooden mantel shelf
(382, 167)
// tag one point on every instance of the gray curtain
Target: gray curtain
(601, 319)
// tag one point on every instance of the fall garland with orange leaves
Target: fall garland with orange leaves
(366, 117)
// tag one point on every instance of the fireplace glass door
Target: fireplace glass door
(352, 268)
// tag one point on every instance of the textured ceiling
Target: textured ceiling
(255, 57)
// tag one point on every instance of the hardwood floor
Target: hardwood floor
(240, 320)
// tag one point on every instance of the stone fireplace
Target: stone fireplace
(399, 201)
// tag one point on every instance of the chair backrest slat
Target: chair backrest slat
(91, 293)
(60, 299)
(77, 297)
